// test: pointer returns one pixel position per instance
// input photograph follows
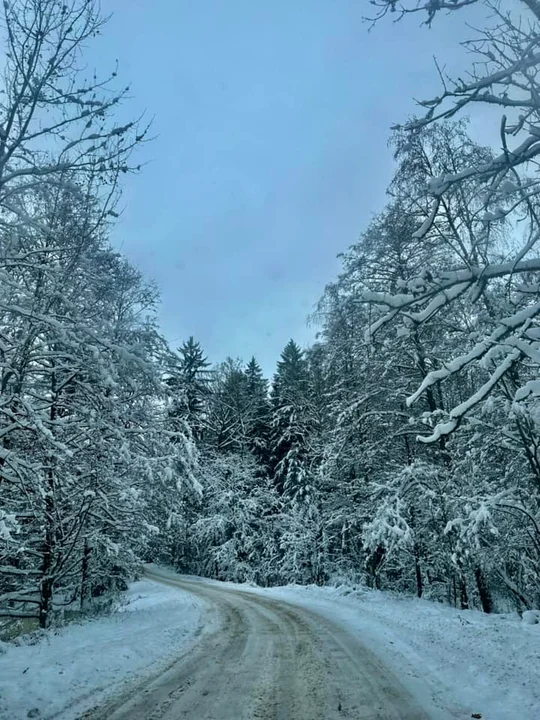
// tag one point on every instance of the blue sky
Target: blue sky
(270, 157)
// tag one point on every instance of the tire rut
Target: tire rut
(267, 660)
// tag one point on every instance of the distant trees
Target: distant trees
(258, 468)
(237, 530)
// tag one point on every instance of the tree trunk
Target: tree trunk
(419, 581)
(463, 594)
(373, 565)
(47, 582)
(84, 573)
(483, 590)
(45, 604)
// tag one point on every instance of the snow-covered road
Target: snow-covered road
(186, 647)
(266, 659)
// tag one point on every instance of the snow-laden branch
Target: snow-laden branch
(506, 325)
(458, 413)
(440, 292)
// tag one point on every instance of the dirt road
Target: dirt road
(267, 660)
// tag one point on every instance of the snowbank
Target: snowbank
(488, 663)
(75, 668)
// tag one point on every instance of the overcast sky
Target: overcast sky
(272, 119)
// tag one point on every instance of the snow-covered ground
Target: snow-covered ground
(77, 667)
(490, 663)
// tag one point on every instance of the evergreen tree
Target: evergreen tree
(259, 414)
(292, 425)
(236, 529)
(227, 421)
(190, 380)
(239, 414)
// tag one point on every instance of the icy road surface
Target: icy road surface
(268, 659)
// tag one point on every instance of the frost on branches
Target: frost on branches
(87, 458)
(403, 447)
(462, 293)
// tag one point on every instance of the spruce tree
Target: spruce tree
(190, 381)
(228, 409)
(291, 429)
(259, 415)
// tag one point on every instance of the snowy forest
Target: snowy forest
(402, 449)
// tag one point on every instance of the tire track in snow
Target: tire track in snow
(267, 660)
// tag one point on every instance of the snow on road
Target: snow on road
(483, 664)
(270, 660)
(72, 669)
(488, 663)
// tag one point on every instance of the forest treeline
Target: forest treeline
(402, 448)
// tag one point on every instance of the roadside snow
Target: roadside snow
(75, 668)
(489, 663)
(447, 658)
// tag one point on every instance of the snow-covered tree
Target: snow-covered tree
(292, 425)
(87, 458)
(190, 380)
(237, 531)
(504, 190)
(258, 416)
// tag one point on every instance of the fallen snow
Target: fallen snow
(77, 667)
(488, 663)
(447, 658)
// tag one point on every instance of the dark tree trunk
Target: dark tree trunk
(47, 584)
(85, 573)
(484, 590)
(463, 594)
(45, 604)
(419, 580)
(373, 565)
(49, 542)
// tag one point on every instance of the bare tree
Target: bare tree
(61, 155)
(54, 119)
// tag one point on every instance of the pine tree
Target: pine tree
(258, 419)
(292, 424)
(189, 381)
